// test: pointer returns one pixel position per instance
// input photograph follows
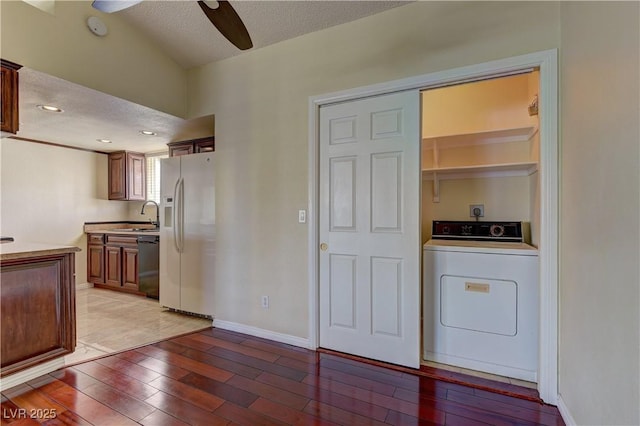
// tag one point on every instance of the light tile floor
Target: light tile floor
(109, 321)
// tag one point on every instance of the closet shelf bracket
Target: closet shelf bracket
(436, 188)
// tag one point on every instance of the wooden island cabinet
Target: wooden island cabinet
(37, 304)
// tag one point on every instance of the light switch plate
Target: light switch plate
(302, 216)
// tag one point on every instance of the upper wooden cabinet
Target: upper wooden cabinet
(127, 176)
(193, 146)
(9, 89)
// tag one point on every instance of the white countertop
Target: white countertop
(21, 249)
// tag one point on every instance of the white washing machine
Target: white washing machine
(481, 298)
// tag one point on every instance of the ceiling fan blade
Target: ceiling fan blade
(227, 21)
(110, 6)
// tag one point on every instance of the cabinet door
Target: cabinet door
(136, 176)
(113, 266)
(95, 263)
(130, 268)
(176, 150)
(117, 176)
(204, 145)
(9, 88)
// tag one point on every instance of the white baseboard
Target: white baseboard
(564, 412)
(260, 332)
(82, 286)
(30, 373)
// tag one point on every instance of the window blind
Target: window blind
(153, 175)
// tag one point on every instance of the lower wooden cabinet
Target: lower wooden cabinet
(114, 264)
(130, 268)
(95, 263)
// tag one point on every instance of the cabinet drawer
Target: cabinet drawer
(96, 238)
(122, 239)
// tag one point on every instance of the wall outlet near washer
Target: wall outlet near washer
(476, 210)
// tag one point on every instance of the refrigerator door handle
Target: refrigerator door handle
(181, 230)
(175, 216)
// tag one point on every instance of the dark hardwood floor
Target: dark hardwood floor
(216, 377)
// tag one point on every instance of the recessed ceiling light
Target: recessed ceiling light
(148, 133)
(49, 108)
(104, 140)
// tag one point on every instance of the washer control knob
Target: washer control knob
(496, 230)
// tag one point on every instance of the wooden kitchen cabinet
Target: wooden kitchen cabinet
(113, 267)
(127, 176)
(95, 258)
(193, 146)
(130, 268)
(9, 88)
(120, 263)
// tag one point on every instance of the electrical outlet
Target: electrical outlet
(265, 302)
(476, 210)
(302, 216)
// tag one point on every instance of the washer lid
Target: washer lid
(495, 247)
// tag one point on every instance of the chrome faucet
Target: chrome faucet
(157, 222)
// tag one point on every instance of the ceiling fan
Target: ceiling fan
(224, 18)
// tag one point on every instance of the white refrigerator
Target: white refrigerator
(187, 233)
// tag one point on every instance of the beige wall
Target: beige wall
(481, 106)
(49, 192)
(260, 100)
(504, 198)
(122, 64)
(599, 232)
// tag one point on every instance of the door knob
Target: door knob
(324, 246)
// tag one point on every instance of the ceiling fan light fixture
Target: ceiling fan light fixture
(111, 6)
(49, 108)
(148, 133)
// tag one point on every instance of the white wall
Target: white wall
(48, 192)
(599, 229)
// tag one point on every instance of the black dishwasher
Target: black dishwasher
(149, 265)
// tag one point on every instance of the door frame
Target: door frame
(547, 62)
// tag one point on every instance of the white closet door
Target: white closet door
(370, 228)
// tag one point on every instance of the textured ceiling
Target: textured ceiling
(185, 33)
(182, 30)
(90, 115)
